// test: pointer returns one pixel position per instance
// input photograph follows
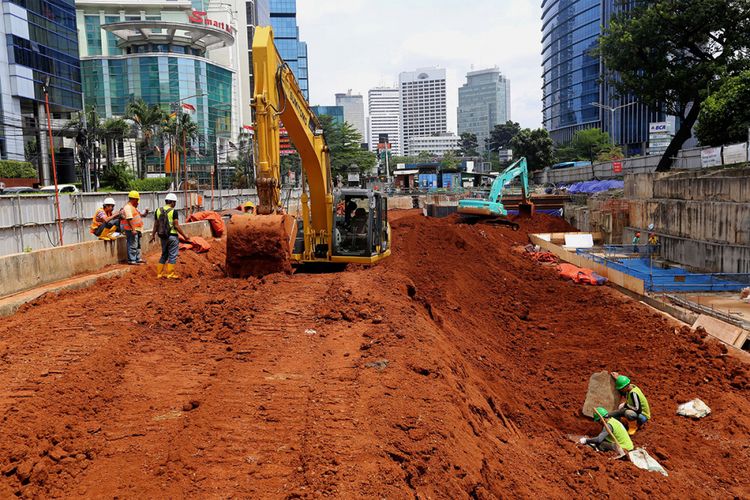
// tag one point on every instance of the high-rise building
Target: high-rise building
(286, 37)
(40, 43)
(255, 13)
(337, 113)
(483, 102)
(437, 145)
(354, 111)
(422, 104)
(572, 77)
(165, 57)
(384, 117)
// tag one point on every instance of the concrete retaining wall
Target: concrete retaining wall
(19, 272)
(702, 218)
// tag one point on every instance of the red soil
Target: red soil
(455, 369)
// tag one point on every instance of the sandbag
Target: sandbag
(693, 409)
(213, 218)
(198, 245)
(580, 274)
(643, 460)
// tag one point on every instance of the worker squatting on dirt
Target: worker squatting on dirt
(635, 410)
(168, 228)
(106, 222)
(132, 224)
(613, 435)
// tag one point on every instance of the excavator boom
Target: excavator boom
(272, 240)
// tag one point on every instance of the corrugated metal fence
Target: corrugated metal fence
(28, 222)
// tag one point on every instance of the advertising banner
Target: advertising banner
(711, 157)
(736, 153)
(617, 167)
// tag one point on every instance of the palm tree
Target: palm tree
(148, 120)
(112, 130)
(178, 130)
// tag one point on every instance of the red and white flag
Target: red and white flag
(188, 107)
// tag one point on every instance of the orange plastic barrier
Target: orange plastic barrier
(199, 245)
(213, 218)
(580, 274)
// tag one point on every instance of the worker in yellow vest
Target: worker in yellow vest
(167, 227)
(613, 435)
(104, 224)
(635, 410)
(132, 225)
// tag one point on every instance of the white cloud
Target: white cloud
(359, 44)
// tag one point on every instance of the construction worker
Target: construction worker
(168, 228)
(105, 222)
(636, 242)
(612, 427)
(249, 207)
(132, 224)
(653, 243)
(635, 410)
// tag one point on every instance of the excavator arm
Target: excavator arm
(517, 169)
(493, 207)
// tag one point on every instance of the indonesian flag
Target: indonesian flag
(247, 127)
(188, 107)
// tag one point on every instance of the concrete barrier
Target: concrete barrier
(23, 271)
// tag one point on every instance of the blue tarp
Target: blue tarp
(590, 187)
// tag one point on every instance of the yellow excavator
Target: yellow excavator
(335, 226)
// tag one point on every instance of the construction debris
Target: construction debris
(694, 409)
(580, 274)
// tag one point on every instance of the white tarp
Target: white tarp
(736, 153)
(579, 240)
(711, 157)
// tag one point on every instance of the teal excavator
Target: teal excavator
(491, 209)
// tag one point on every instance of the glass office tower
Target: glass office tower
(286, 37)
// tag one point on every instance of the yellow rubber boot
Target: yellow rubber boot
(159, 270)
(632, 427)
(171, 273)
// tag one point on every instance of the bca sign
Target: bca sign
(660, 128)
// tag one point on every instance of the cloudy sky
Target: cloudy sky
(353, 46)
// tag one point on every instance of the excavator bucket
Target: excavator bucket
(258, 245)
(526, 209)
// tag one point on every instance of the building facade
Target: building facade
(337, 113)
(283, 17)
(483, 102)
(422, 102)
(436, 145)
(354, 111)
(40, 45)
(384, 117)
(161, 53)
(255, 13)
(571, 73)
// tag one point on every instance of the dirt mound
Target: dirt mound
(455, 369)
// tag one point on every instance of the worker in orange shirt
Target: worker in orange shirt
(132, 224)
(105, 222)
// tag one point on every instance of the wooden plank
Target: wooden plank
(729, 334)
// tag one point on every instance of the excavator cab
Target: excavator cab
(360, 224)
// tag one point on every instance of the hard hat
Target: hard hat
(134, 194)
(171, 197)
(108, 201)
(622, 381)
(599, 413)
(638, 233)
(249, 204)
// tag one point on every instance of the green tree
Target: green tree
(502, 135)
(468, 144)
(668, 53)
(725, 115)
(536, 146)
(449, 161)
(586, 144)
(243, 177)
(148, 122)
(345, 144)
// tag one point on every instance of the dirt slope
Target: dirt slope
(454, 369)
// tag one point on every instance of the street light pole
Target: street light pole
(612, 112)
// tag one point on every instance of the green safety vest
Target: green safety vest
(170, 217)
(621, 435)
(645, 408)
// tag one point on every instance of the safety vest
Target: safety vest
(135, 223)
(170, 217)
(621, 435)
(94, 222)
(645, 408)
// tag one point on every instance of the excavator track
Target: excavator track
(258, 245)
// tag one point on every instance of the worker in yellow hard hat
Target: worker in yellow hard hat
(132, 224)
(249, 207)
